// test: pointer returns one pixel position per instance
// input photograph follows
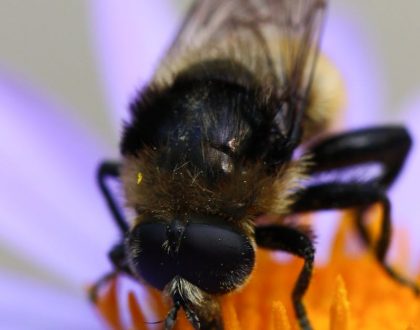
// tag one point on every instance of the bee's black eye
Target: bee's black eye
(205, 251)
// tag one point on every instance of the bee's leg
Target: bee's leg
(201, 309)
(95, 288)
(381, 246)
(201, 317)
(354, 195)
(109, 169)
(171, 317)
(118, 258)
(387, 146)
(207, 316)
(298, 243)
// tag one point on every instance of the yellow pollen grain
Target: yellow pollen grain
(139, 177)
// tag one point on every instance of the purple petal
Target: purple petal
(404, 195)
(130, 38)
(351, 51)
(51, 213)
(27, 304)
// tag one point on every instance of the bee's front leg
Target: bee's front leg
(200, 317)
(111, 170)
(207, 317)
(119, 261)
(298, 243)
(171, 317)
(117, 255)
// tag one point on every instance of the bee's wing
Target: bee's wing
(294, 24)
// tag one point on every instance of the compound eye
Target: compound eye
(215, 257)
(206, 251)
(148, 258)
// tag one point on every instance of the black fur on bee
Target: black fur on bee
(212, 122)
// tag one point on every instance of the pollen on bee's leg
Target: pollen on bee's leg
(107, 305)
(279, 318)
(340, 307)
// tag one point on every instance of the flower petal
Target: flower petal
(27, 304)
(130, 38)
(51, 210)
(354, 56)
(404, 195)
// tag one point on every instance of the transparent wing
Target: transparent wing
(286, 31)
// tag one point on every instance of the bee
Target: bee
(212, 145)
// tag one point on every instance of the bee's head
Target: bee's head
(205, 251)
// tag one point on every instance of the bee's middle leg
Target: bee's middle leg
(387, 146)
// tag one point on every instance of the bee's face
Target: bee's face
(203, 250)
